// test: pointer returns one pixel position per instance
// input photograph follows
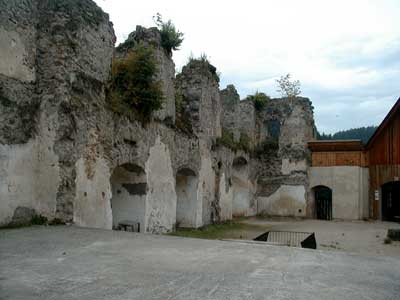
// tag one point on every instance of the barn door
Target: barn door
(391, 201)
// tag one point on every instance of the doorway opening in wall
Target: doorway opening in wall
(128, 202)
(391, 201)
(323, 202)
(186, 192)
(240, 185)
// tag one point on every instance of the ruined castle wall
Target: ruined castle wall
(75, 45)
(247, 120)
(230, 111)
(284, 127)
(62, 147)
(236, 177)
(239, 117)
(198, 86)
(166, 68)
(28, 169)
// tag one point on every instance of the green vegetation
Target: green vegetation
(259, 99)
(132, 90)
(288, 88)
(226, 230)
(35, 220)
(39, 220)
(171, 38)
(361, 133)
(228, 141)
(244, 142)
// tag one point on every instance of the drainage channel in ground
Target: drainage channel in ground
(289, 238)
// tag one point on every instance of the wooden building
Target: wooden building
(338, 179)
(383, 152)
(360, 182)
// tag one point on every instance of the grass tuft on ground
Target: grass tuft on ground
(225, 230)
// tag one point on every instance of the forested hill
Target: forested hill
(362, 133)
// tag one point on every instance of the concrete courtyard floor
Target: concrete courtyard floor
(76, 263)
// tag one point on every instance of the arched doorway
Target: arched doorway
(128, 202)
(323, 202)
(186, 192)
(241, 189)
(391, 201)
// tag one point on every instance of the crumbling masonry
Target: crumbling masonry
(65, 154)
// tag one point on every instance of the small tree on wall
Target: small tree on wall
(288, 88)
(171, 38)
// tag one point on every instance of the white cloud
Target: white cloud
(337, 49)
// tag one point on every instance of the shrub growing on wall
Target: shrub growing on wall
(259, 99)
(171, 38)
(132, 87)
(228, 141)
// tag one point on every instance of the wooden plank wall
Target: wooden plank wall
(339, 158)
(384, 161)
(386, 147)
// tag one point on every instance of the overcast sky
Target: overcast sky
(346, 54)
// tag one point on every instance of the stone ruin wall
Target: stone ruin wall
(279, 134)
(60, 144)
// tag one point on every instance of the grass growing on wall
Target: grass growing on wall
(228, 141)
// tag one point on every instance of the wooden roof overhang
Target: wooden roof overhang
(335, 145)
(384, 123)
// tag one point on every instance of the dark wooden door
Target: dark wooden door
(391, 201)
(323, 202)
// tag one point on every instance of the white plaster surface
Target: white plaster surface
(92, 201)
(349, 186)
(242, 191)
(186, 206)
(241, 197)
(29, 176)
(161, 196)
(288, 200)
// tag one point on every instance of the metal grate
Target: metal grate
(289, 238)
